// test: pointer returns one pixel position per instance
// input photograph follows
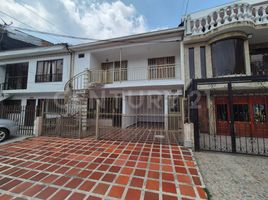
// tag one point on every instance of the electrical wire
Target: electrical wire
(92, 39)
(44, 19)
(4, 13)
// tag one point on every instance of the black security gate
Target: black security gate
(230, 114)
(23, 116)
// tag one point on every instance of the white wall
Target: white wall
(80, 64)
(137, 57)
(2, 73)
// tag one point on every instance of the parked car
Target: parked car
(7, 128)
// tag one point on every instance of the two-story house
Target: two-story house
(226, 64)
(31, 76)
(138, 79)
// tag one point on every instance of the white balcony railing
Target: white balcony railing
(230, 14)
(156, 72)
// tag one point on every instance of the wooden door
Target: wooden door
(222, 116)
(242, 116)
(259, 124)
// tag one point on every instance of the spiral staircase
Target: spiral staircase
(77, 89)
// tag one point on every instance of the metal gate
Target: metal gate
(142, 119)
(65, 120)
(230, 114)
(23, 116)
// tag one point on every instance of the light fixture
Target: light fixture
(250, 36)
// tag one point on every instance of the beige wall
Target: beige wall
(209, 70)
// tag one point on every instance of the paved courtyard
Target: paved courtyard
(229, 176)
(57, 168)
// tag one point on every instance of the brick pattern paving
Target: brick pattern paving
(57, 168)
(146, 135)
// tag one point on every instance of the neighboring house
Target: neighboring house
(12, 39)
(226, 60)
(30, 76)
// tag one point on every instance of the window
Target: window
(174, 104)
(81, 55)
(241, 112)
(259, 113)
(117, 73)
(16, 76)
(191, 63)
(203, 62)
(222, 114)
(123, 75)
(228, 57)
(49, 71)
(259, 62)
(161, 68)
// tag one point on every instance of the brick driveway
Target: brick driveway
(57, 168)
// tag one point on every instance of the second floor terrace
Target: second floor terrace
(250, 12)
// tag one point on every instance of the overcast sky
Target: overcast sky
(98, 19)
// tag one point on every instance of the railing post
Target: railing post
(97, 117)
(80, 120)
(231, 111)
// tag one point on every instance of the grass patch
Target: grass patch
(208, 193)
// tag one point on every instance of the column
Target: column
(247, 58)
(166, 111)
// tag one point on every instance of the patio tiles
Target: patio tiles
(60, 168)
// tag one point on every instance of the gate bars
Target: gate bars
(230, 114)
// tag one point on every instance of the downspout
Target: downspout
(71, 52)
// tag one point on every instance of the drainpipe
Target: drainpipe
(120, 76)
(71, 52)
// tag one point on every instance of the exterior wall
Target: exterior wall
(2, 73)
(209, 67)
(32, 86)
(80, 64)
(137, 57)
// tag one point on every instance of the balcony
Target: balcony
(259, 68)
(241, 12)
(157, 72)
(16, 83)
(94, 77)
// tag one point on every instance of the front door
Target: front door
(250, 116)
(29, 113)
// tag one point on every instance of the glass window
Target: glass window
(228, 57)
(259, 62)
(191, 63)
(16, 76)
(259, 113)
(241, 112)
(49, 71)
(222, 113)
(203, 62)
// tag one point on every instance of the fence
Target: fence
(230, 114)
(143, 120)
(65, 121)
(23, 116)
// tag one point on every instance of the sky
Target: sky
(97, 19)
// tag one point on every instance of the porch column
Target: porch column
(247, 58)
(166, 111)
(211, 114)
(83, 111)
(209, 62)
(124, 110)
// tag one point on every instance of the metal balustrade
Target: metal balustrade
(241, 12)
